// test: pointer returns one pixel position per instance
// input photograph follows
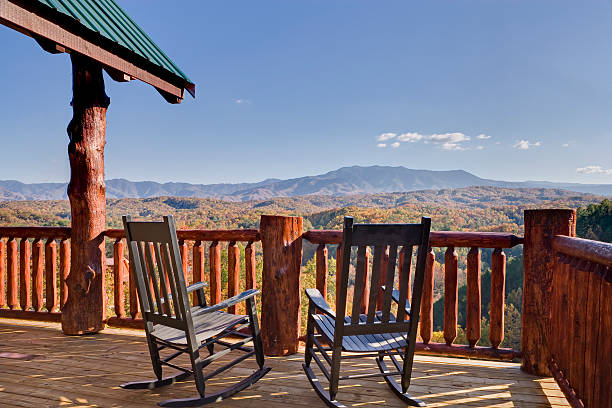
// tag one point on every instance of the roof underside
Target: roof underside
(101, 30)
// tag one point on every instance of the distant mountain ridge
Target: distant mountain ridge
(341, 182)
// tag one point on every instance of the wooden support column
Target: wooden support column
(84, 311)
(538, 264)
(281, 238)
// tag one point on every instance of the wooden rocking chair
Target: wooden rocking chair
(171, 323)
(376, 333)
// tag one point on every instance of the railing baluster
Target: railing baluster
(64, 270)
(384, 262)
(214, 264)
(250, 266)
(134, 303)
(338, 269)
(233, 273)
(12, 265)
(403, 253)
(38, 267)
(25, 252)
(198, 266)
(51, 274)
(2, 274)
(119, 278)
(498, 297)
(321, 269)
(427, 298)
(184, 248)
(451, 260)
(473, 296)
(365, 299)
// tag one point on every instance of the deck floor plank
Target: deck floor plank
(86, 371)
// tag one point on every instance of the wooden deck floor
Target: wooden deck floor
(86, 371)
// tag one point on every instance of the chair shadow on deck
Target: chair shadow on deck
(87, 371)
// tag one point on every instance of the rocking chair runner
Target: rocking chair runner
(171, 323)
(377, 333)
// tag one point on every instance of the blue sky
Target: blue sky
(291, 88)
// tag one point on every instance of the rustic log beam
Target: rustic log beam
(538, 265)
(84, 311)
(281, 239)
(247, 235)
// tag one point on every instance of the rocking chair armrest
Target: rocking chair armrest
(196, 286)
(395, 296)
(315, 297)
(247, 294)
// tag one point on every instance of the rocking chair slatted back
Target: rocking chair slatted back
(159, 274)
(387, 240)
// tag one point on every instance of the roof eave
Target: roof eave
(56, 33)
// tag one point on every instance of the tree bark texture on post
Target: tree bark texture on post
(281, 239)
(538, 264)
(84, 311)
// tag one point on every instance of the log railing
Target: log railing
(450, 240)
(194, 251)
(580, 336)
(29, 275)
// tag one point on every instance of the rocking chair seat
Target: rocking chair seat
(362, 342)
(206, 325)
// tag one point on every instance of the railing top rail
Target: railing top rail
(247, 235)
(584, 249)
(35, 232)
(436, 238)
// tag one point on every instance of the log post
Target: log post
(84, 311)
(281, 238)
(321, 269)
(214, 263)
(64, 271)
(198, 267)
(119, 278)
(12, 280)
(498, 297)
(50, 275)
(538, 263)
(473, 314)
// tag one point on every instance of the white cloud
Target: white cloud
(482, 136)
(381, 145)
(565, 145)
(479, 147)
(593, 170)
(242, 101)
(410, 137)
(452, 146)
(454, 137)
(525, 144)
(395, 145)
(385, 136)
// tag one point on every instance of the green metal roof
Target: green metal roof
(109, 20)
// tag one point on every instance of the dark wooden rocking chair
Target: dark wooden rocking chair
(377, 333)
(171, 323)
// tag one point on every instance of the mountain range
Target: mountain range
(341, 182)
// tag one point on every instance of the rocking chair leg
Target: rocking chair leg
(155, 359)
(316, 385)
(309, 334)
(219, 396)
(255, 333)
(396, 388)
(196, 365)
(151, 384)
